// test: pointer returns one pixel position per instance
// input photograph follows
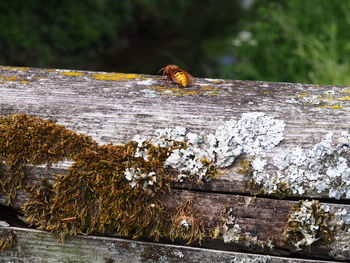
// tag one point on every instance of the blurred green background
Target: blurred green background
(276, 40)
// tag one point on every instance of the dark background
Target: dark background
(294, 40)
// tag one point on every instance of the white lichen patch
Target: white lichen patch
(255, 133)
(246, 258)
(323, 169)
(193, 155)
(308, 225)
(185, 224)
(169, 136)
(311, 222)
(189, 159)
(137, 178)
(232, 234)
(178, 253)
(188, 154)
(258, 164)
(141, 150)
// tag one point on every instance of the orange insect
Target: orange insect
(177, 75)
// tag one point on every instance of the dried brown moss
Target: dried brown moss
(32, 140)
(95, 195)
(184, 225)
(7, 240)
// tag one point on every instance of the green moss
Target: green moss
(7, 240)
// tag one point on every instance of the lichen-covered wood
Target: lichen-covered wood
(215, 137)
(114, 107)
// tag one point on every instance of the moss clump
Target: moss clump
(96, 196)
(185, 225)
(31, 140)
(108, 189)
(283, 190)
(310, 223)
(7, 240)
(245, 167)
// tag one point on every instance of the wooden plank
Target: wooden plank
(114, 107)
(34, 246)
(260, 219)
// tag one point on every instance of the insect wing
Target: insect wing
(189, 77)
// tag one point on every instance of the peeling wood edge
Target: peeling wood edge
(34, 246)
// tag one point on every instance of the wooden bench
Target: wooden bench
(219, 171)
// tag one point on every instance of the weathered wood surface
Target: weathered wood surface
(33, 246)
(262, 219)
(113, 108)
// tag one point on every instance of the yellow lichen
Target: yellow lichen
(303, 95)
(72, 73)
(191, 92)
(15, 68)
(175, 91)
(12, 78)
(332, 106)
(208, 88)
(218, 82)
(115, 76)
(344, 98)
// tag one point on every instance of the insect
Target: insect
(177, 75)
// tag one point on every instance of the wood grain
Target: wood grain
(113, 108)
(35, 246)
(259, 218)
